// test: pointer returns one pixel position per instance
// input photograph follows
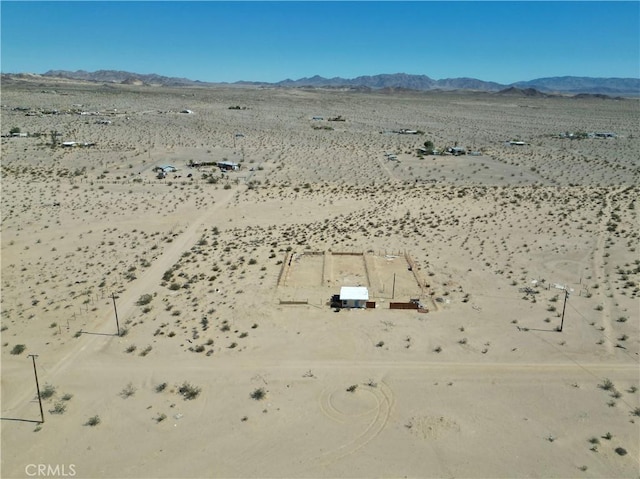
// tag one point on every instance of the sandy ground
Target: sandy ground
(205, 268)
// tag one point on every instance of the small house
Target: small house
(228, 165)
(354, 296)
(165, 169)
(457, 150)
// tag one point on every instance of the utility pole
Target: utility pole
(564, 306)
(35, 372)
(113, 296)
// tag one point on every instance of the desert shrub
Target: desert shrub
(621, 451)
(258, 394)
(607, 385)
(636, 411)
(161, 387)
(146, 351)
(48, 391)
(352, 388)
(131, 348)
(144, 299)
(188, 391)
(93, 421)
(18, 349)
(58, 408)
(161, 417)
(379, 344)
(67, 397)
(128, 391)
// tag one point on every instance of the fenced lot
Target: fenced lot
(387, 275)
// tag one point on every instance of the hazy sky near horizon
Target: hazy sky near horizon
(214, 41)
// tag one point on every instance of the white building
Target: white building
(354, 296)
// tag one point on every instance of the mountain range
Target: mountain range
(561, 85)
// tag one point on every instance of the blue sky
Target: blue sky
(271, 41)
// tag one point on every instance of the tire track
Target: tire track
(381, 412)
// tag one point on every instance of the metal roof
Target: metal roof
(354, 292)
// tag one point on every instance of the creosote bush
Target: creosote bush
(93, 421)
(189, 391)
(258, 394)
(48, 391)
(607, 385)
(144, 299)
(18, 349)
(58, 408)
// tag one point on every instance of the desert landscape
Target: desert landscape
(183, 324)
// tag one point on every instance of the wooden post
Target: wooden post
(393, 292)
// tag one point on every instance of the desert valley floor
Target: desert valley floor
(231, 362)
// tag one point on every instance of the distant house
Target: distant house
(354, 296)
(228, 165)
(457, 150)
(188, 112)
(19, 135)
(165, 169)
(69, 144)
